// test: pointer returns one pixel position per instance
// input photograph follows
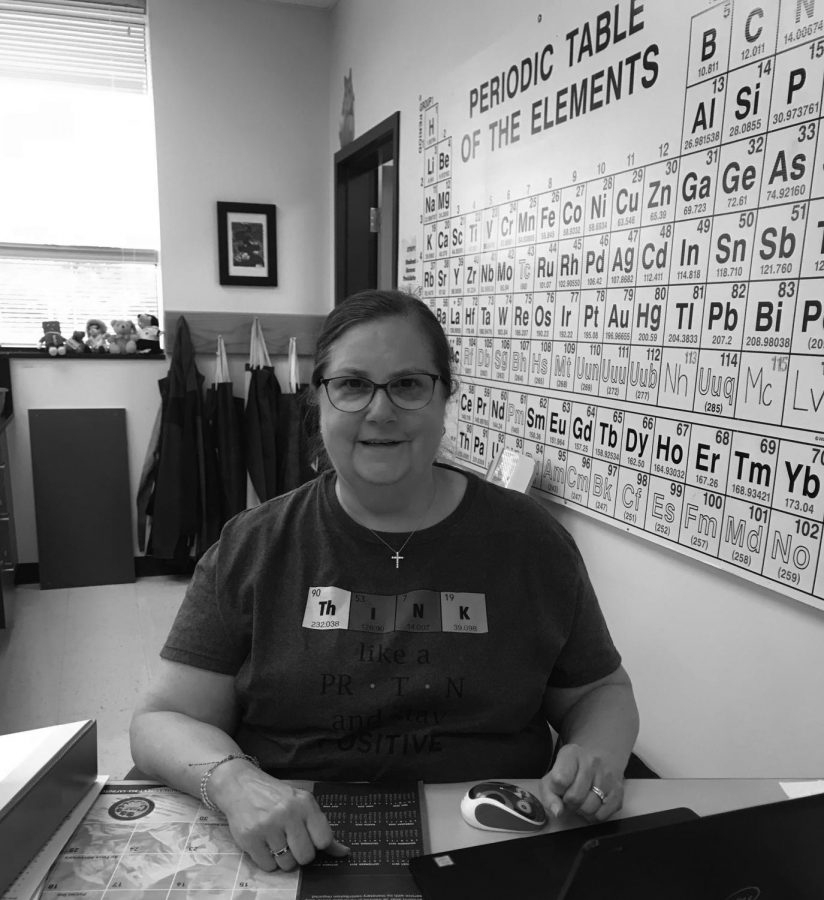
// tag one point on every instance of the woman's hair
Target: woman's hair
(368, 306)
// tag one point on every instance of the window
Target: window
(79, 232)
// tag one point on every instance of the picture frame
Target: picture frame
(247, 244)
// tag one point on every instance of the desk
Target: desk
(448, 831)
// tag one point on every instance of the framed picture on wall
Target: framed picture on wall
(247, 244)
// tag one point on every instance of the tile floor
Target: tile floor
(83, 653)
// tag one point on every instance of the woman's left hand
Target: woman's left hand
(583, 783)
(598, 725)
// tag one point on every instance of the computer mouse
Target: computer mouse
(499, 806)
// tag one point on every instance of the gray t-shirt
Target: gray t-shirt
(350, 668)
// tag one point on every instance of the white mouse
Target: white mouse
(499, 806)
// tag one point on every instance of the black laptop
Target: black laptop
(770, 852)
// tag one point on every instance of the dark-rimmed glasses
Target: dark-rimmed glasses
(353, 393)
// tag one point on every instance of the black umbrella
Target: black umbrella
(296, 431)
(224, 414)
(261, 417)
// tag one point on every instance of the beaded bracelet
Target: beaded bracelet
(205, 799)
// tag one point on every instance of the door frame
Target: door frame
(371, 150)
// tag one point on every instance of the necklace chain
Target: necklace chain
(397, 553)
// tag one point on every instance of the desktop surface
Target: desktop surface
(443, 826)
(448, 831)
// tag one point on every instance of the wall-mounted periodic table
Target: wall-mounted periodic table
(619, 220)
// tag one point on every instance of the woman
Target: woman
(393, 619)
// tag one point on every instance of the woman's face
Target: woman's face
(382, 444)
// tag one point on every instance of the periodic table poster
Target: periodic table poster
(617, 214)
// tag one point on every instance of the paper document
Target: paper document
(795, 789)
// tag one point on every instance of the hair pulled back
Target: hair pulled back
(368, 306)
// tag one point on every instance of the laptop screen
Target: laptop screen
(522, 868)
(774, 851)
(769, 852)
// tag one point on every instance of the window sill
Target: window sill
(25, 353)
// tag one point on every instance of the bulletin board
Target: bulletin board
(618, 217)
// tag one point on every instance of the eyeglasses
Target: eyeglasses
(353, 393)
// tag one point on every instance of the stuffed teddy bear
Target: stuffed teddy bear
(96, 336)
(52, 341)
(148, 334)
(123, 338)
(76, 343)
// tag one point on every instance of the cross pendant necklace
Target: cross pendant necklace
(397, 553)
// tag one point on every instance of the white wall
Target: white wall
(241, 109)
(63, 384)
(729, 676)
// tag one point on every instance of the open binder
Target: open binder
(44, 774)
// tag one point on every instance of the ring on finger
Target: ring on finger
(278, 853)
(599, 794)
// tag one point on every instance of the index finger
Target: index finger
(322, 835)
(554, 786)
(552, 801)
(563, 774)
(311, 833)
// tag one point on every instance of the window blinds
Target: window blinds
(79, 221)
(85, 42)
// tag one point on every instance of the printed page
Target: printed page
(383, 826)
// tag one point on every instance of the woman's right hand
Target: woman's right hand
(266, 815)
(190, 713)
